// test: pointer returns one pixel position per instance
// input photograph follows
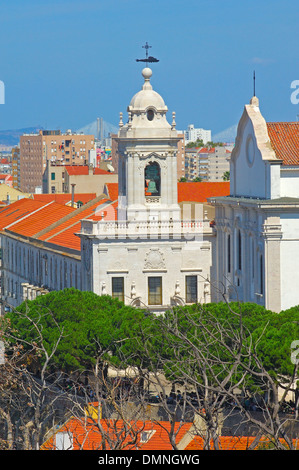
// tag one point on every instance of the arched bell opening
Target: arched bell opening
(152, 179)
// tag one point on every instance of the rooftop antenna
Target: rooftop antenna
(147, 57)
(254, 83)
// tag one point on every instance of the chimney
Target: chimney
(73, 194)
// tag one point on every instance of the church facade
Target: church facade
(258, 223)
(150, 253)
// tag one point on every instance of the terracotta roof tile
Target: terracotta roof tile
(200, 192)
(233, 443)
(64, 234)
(149, 436)
(284, 138)
(89, 437)
(63, 198)
(195, 192)
(112, 191)
(17, 210)
(84, 170)
(40, 219)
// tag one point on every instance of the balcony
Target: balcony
(178, 229)
(152, 199)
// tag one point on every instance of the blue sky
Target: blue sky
(65, 63)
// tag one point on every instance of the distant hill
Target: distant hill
(11, 137)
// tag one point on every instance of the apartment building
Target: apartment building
(84, 178)
(50, 145)
(192, 134)
(206, 163)
(15, 167)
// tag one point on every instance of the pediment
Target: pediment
(258, 139)
(152, 156)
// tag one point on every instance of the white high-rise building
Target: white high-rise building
(193, 134)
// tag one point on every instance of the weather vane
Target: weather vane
(147, 57)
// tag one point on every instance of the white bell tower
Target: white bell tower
(147, 167)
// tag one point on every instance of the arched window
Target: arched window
(150, 114)
(152, 179)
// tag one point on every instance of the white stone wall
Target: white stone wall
(29, 270)
(136, 260)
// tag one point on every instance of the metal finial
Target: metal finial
(147, 57)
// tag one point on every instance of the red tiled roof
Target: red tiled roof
(100, 171)
(284, 138)
(17, 210)
(64, 234)
(40, 218)
(112, 191)
(200, 192)
(84, 170)
(195, 192)
(63, 198)
(88, 437)
(207, 150)
(234, 443)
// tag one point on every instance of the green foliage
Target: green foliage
(90, 324)
(271, 333)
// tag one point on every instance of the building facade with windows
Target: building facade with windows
(148, 240)
(54, 146)
(148, 254)
(258, 223)
(192, 134)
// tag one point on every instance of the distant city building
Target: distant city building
(148, 240)
(62, 178)
(181, 156)
(206, 163)
(213, 163)
(59, 148)
(15, 167)
(193, 134)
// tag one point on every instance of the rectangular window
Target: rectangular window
(239, 250)
(52, 176)
(261, 275)
(191, 289)
(228, 254)
(118, 288)
(155, 290)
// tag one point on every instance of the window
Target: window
(228, 254)
(261, 275)
(155, 290)
(239, 250)
(64, 441)
(52, 176)
(152, 179)
(191, 289)
(118, 288)
(150, 114)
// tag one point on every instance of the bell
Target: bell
(152, 187)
